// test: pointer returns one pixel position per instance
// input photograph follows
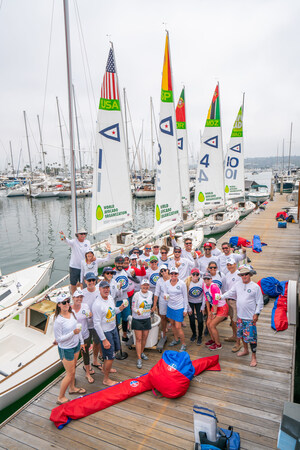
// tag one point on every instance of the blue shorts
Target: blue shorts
(246, 330)
(74, 276)
(114, 340)
(124, 314)
(68, 353)
(175, 314)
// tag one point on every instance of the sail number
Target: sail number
(159, 155)
(205, 162)
(231, 163)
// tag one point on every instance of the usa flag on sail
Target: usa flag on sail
(111, 200)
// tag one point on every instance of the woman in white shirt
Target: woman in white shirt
(91, 264)
(68, 336)
(164, 276)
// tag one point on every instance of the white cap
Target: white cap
(230, 260)
(212, 241)
(78, 293)
(62, 297)
(133, 256)
(163, 266)
(174, 270)
(144, 281)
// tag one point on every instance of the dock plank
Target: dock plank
(250, 399)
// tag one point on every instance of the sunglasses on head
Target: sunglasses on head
(65, 302)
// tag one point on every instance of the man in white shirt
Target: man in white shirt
(104, 314)
(249, 304)
(147, 253)
(205, 259)
(215, 251)
(187, 251)
(183, 265)
(232, 278)
(79, 247)
(227, 251)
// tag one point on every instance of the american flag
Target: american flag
(109, 88)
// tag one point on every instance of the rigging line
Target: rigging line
(48, 62)
(84, 53)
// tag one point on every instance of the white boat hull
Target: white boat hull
(45, 194)
(243, 208)
(256, 198)
(79, 193)
(144, 194)
(218, 222)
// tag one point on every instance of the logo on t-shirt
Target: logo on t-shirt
(248, 290)
(208, 297)
(195, 291)
(110, 315)
(218, 283)
(123, 280)
(153, 278)
(178, 287)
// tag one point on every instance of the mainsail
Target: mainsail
(234, 161)
(183, 149)
(168, 205)
(209, 190)
(111, 202)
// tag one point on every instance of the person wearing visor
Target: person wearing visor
(194, 285)
(141, 321)
(176, 296)
(217, 311)
(79, 246)
(67, 333)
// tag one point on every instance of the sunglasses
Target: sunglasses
(195, 274)
(212, 267)
(147, 248)
(153, 262)
(65, 302)
(91, 281)
(174, 273)
(163, 253)
(163, 270)
(82, 234)
(188, 243)
(109, 273)
(177, 251)
(225, 248)
(245, 274)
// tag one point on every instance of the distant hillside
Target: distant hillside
(271, 162)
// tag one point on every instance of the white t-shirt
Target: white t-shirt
(78, 251)
(203, 262)
(178, 295)
(222, 261)
(89, 298)
(104, 314)
(143, 302)
(168, 262)
(220, 280)
(121, 277)
(195, 293)
(184, 253)
(92, 267)
(186, 265)
(64, 332)
(216, 252)
(249, 299)
(82, 317)
(231, 279)
(143, 257)
(152, 276)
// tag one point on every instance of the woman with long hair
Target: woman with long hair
(164, 276)
(194, 286)
(67, 332)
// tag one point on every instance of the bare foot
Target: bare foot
(109, 382)
(253, 362)
(111, 370)
(62, 400)
(243, 353)
(90, 379)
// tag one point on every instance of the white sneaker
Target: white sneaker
(139, 364)
(144, 357)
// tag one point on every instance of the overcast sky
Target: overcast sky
(250, 47)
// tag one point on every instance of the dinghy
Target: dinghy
(18, 286)
(219, 222)
(243, 208)
(259, 193)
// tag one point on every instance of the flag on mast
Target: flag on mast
(183, 149)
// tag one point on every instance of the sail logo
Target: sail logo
(212, 142)
(172, 367)
(166, 126)
(236, 148)
(180, 143)
(195, 291)
(134, 383)
(123, 281)
(112, 132)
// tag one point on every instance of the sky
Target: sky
(250, 47)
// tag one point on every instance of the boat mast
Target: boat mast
(77, 130)
(152, 142)
(71, 130)
(282, 156)
(41, 144)
(291, 132)
(28, 147)
(11, 157)
(62, 140)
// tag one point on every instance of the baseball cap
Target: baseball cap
(62, 298)
(207, 275)
(212, 241)
(78, 293)
(133, 256)
(174, 270)
(119, 259)
(195, 271)
(103, 284)
(90, 276)
(108, 269)
(163, 266)
(153, 258)
(230, 260)
(207, 244)
(144, 281)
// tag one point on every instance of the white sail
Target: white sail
(234, 161)
(168, 205)
(112, 201)
(183, 157)
(209, 189)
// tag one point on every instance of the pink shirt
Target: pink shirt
(210, 294)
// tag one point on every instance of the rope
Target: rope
(48, 60)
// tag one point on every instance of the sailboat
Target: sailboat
(168, 199)
(234, 169)
(189, 219)
(209, 189)
(112, 200)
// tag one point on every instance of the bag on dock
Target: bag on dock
(205, 421)
(282, 224)
(257, 244)
(279, 321)
(227, 439)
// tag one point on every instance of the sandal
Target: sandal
(79, 391)
(90, 380)
(92, 372)
(61, 403)
(99, 366)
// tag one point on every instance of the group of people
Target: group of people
(206, 287)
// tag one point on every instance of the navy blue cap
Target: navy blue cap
(90, 276)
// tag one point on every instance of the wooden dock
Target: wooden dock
(250, 399)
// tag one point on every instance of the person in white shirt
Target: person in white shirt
(141, 321)
(155, 250)
(159, 293)
(104, 314)
(231, 279)
(187, 251)
(215, 251)
(91, 264)
(108, 274)
(79, 247)
(218, 277)
(147, 253)
(176, 296)
(183, 265)
(67, 333)
(152, 273)
(121, 278)
(194, 286)
(205, 259)
(249, 302)
(164, 251)
(227, 251)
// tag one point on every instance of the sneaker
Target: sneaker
(174, 342)
(193, 338)
(199, 340)
(125, 339)
(144, 357)
(215, 346)
(139, 364)
(182, 348)
(208, 343)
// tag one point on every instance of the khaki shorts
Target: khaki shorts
(232, 309)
